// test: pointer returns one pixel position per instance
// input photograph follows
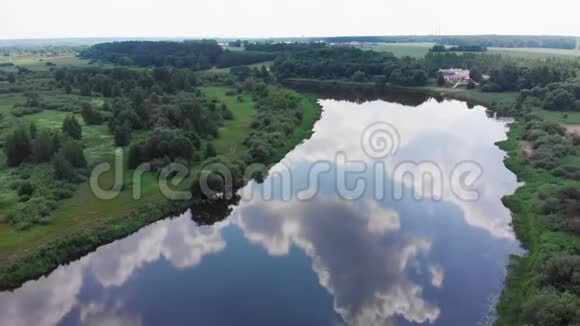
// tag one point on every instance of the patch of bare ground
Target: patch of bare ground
(572, 128)
(527, 147)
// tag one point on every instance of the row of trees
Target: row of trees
(195, 55)
(344, 63)
(561, 96)
(458, 48)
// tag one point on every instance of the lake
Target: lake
(407, 228)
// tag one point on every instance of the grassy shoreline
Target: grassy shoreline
(36, 261)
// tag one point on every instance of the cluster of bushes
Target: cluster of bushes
(550, 144)
(36, 211)
(224, 176)
(560, 208)
(165, 145)
(91, 116)
(557, 301)
(279, 113)
(560, 96)
(30, 149)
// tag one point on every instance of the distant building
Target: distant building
(455, 75)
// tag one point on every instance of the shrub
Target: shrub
(122, 135)
(559, 100)
(210, 151)
(43, 147)
(90, 115)
(549, 307)
(25, 188)
(63, 169)
(60, 194)
(72, 127)
(136, 156)
(73, 153)
(534, 134)
(491, 87)
(17, 146)
(561, 272)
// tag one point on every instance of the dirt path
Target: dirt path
(572, 128)
(527, 147)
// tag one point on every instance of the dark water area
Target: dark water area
(311, 247)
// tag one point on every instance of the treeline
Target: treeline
(343, 63)
(191, 54)
(284, 47)
(458, 48)
(560, 96)
(513, 41)
(505, 74)
(512, 76)
(504, 41)
(196, 55)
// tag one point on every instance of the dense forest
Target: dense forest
(195, 55)
(342, 63)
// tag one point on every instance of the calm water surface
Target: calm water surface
(323, 261)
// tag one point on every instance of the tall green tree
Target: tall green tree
(12, 78)
(43, 147)
(72, 151)
(72, 127)
(17, 147)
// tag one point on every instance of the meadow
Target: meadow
(419, 49)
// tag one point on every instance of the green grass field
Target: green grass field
(258, 65)
(535, 53)
(42, 63)
(561, 117)
(418, 50)
(233, 132)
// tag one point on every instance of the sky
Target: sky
(275, 18)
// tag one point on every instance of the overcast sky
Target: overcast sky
(275, 18)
